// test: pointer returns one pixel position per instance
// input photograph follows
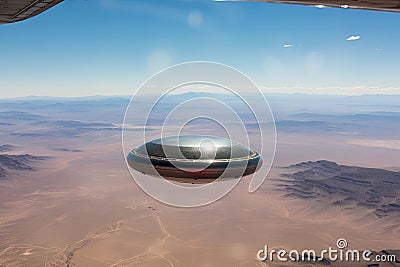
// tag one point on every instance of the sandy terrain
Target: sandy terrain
(82, 208)
(92, 214)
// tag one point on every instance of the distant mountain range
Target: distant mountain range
(6, 148)
(344, 186)
(12, 163)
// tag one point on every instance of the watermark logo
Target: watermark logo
(201, 98)
(341, 243)
(340, 253)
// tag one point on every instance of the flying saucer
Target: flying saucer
(198, 157)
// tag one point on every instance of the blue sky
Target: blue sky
(109, 47)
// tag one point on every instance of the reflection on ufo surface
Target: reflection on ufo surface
(186, 158)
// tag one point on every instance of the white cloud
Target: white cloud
(287, 45)
(353, 38)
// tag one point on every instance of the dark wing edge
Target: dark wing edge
(377, 5)
(17, 10)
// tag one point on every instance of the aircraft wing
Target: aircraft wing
(16, 10)
(379, 5)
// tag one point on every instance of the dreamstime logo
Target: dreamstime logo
(201, 98)
(341, 243)
(340, 253)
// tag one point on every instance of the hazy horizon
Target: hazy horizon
(333, 94)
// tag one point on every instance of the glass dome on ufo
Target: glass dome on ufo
(194, 157)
